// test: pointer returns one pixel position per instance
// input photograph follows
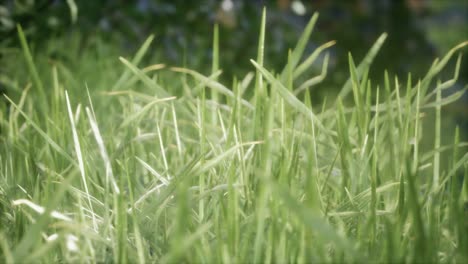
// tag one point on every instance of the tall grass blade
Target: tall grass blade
(30, 62)
(79, 157)
(364, 65)
(300, 47)
(136, 60)
(290, 98)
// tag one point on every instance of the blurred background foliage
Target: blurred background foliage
(419, 31)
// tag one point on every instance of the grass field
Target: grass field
(103, 159)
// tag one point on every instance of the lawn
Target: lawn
(106, 157)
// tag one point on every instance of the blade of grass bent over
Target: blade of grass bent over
(315, 80)
(300, 47)
(437, 66)
(311, 59)
(144, 78)
(139, 55)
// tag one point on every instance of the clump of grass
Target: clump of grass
(174, 166)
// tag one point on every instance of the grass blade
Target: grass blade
(364, 65)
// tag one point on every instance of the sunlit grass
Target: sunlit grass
(112, 161)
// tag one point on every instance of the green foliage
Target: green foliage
(106, 160)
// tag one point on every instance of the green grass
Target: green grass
(105, 160)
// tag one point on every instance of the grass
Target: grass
(102, 161)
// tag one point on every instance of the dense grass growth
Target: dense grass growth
(114, 162)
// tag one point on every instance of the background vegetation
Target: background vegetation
(305, 153)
